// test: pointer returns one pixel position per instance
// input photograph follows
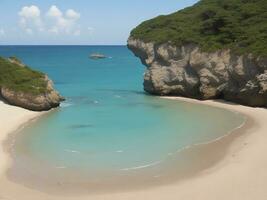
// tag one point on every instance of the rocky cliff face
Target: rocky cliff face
(41, 102)
(189, 72)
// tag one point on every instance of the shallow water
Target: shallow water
(108, 130)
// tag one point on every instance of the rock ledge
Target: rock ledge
(187, 71)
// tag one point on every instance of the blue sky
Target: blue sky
(83, 22)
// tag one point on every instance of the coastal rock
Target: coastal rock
(189, 72)
(96, 56)
(16, 61)
(41, 102)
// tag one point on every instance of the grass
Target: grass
(21, 79)
(240, 25)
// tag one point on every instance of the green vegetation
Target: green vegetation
(21, 79)
(240, 25)
(13, 58)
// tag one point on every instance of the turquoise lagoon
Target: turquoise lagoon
(108, 130)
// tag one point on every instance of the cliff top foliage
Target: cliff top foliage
(240, 25)
(21, 79)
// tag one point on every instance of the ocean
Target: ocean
(108, 131)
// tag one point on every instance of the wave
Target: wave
(142, 166)
(61, 167)
(72, 151)
(65, 104)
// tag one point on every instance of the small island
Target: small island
(96, 56)
(21, 86)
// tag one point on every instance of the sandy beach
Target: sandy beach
(239, 175)
(11, 119)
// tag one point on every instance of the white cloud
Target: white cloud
(30, 17)
(29, 31)
(54, 21)
(30, 12)
(63, 24)
(54, 12)
(2, 32)
(77, 32)
(71, 14)
(53, 30)
(90, 29)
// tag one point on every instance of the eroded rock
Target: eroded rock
(41, 102)
(189, 72)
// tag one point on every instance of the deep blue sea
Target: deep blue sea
(107, 128)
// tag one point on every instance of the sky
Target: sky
(77, 22)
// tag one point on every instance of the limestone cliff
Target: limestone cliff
(187, 71)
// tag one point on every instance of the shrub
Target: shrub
(240, 25)
(21, 79)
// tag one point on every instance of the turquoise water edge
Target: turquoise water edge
(108, 128)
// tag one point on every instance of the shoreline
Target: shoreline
(180, 188)
(18, 117)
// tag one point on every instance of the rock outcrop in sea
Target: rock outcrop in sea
(40, 102)
(189, 72)
(96, 56)
(43, 100)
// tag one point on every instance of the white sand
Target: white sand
(11, 118)
(240, 175)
